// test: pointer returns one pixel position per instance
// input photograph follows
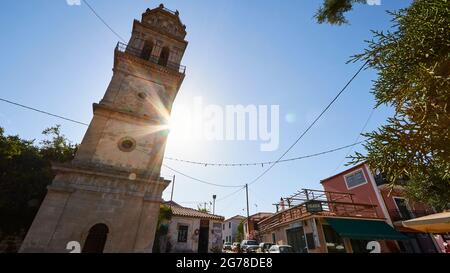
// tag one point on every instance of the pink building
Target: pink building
(317, 221)
(391, 204)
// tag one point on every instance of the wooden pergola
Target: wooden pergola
(328, 204)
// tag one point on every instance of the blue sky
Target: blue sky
(59, 58)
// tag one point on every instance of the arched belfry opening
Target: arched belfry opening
(147, 50)
(164, 57)
(96, 239)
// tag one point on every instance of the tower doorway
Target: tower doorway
(96, 239)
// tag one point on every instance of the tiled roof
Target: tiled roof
(178, 210)
(237, 217)
(343, 172)
(260, 215)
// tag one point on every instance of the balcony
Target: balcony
(136, 52)
(397, 215)
(329, 204)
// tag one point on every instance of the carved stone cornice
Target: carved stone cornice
(104, 109)
(105, 179)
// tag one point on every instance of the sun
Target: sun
(179, 125)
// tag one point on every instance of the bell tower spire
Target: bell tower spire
(113, 185)
(135, 109)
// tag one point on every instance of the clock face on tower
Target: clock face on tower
(127, 144)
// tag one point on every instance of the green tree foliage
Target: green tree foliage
(332, 11)
(205, 210)
(57, 147)
(162, 227)
(165, 214)
(413, 65)
(240, 232)
(25, 172)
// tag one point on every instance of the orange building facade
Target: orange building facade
(367, 186)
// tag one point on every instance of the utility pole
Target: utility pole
(248, 215)
(214, 203)
(246, 194)
(171, 194)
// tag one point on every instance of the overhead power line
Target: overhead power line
(217, 200)
(357, 139)
(200, 180)
(310, 126)
(103, 21)
(43, 112)
(229, 195)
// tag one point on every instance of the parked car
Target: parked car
(264, 247)
(249, 246)
(236, 247)
(226, 246)
(281, 249)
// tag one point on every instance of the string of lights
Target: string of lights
(206, 164)
(202, 163)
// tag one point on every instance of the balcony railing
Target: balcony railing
(153, 59)
(331, 204)
(329, 209)
(161, 6)
(397, 215)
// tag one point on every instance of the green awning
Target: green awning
(365, 229)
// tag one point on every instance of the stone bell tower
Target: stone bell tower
(108, 197)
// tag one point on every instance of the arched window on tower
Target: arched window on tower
(164, 57)
(96, 239)
(147, 50)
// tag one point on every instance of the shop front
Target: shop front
(355, 235)
(296, 239)
(318, 234)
